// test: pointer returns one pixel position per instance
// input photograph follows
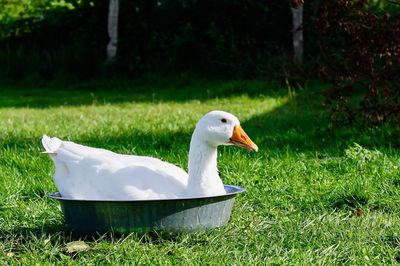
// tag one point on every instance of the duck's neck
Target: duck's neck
(203, 172)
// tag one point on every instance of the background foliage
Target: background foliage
(223, 36)
(360, 49)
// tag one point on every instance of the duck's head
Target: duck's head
(221, 128)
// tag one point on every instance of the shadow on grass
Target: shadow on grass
(60, 233)
(350, 200)
(302, 126)
(44, 230)
(133, 143)
(121, 91)
(299, 126)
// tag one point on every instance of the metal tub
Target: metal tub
(167, 215)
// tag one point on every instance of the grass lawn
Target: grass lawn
(313, 195)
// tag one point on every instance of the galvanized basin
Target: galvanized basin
(168, 215)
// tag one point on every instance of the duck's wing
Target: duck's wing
(85, 172)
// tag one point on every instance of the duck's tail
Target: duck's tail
(51, 145)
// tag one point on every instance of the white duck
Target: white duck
(89, 173)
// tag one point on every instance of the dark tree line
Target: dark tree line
(236, 36)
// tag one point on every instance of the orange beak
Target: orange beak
(239, 138)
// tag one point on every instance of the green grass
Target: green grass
(304, 187)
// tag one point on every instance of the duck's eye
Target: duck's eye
(223, 120)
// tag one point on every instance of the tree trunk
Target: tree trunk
(297, 13)
(112, 30)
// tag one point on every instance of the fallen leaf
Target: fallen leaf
(76, 246)
(359, 212)
(10, 254)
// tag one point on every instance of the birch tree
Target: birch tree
(297, 13)
(112, 29)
